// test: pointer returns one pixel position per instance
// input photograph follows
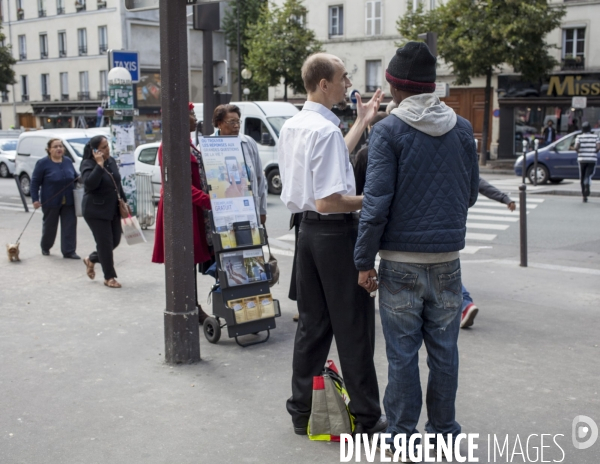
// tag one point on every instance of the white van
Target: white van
(262, 121)
(31, 147)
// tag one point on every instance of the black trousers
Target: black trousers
(331, 303)
(295, 221)
(68, 228)
(107, 235)
(586, 172)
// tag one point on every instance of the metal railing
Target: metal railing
(41, 13)
(24, 98)
(4, 97)
(101, 4)
(80, 6)
(43, 55)
(103, 48)
(22, 56)
(82, 51)
(46, 98)
(83, 95)
(62, 53)
(60, 10)
(576, 62)
(20, 15)
(64, 97)
(102, 94)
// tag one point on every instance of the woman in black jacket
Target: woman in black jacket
(102, 183)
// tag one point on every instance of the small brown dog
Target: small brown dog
(12, 250)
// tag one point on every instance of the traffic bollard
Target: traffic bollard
(523, 211)
(536, 144)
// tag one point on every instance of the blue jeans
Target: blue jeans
(467, 300)
(421, 302)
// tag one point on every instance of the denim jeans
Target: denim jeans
(467, 300)
(421, 302)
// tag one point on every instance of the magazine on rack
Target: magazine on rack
(244, 266)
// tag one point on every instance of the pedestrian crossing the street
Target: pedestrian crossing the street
(486, 220)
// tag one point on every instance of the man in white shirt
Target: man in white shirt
(318, 182)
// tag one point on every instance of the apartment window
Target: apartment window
(82, 41)
(46, 87)
(64, 86)
(84, 86)
(41, 8)
(101, 4)
(22, 47)
(373, 81)
(43, 46)
(80, 5)
(373, 18)
(62, 44)
(24, 89)
(20, 11)
(103, 39)
(103, 93)
(336, 20)
(573, 48)
(60, 7)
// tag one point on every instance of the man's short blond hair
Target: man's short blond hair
(316, 67)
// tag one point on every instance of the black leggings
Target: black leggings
(586, 172)
(107, 235)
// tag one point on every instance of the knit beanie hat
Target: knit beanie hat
(412, 69)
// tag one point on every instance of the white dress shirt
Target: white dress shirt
(314, 162)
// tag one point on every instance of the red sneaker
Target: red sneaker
(468, 316)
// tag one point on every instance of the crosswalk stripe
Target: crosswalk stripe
(471, 250)
(491, 211)
(490, 204)
(7, 208)
(288, 237)
(492, 218)
(4, 203)
(474, 236)
(478, 225)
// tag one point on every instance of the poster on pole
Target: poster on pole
(123, 147)
(234, 211)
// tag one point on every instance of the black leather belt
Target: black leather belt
(313, 215)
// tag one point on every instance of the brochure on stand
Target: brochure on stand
(234, 211)
(244, 266)
(252, 308)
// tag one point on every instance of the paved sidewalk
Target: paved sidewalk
(83, 378)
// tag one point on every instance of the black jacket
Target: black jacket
(100, 199)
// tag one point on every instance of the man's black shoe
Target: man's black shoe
(46, 252)
(379, 426)
(73, 256)
(300, 430)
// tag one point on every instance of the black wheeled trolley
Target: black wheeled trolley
(241, 298)
(243, 309)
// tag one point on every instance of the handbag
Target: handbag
(132, 231)
(124, 209)
(78, 192)
(330, 415)
(272, 263)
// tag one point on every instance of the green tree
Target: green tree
(7, 74)
(478, 37)
(249, 11)
(279, 43)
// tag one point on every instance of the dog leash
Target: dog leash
(41, 204)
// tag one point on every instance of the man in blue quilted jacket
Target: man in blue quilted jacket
(422, 176)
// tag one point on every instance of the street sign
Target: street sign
(579, 102)
(442, 89)
(127, 59)
(141, 5)
(353, 96)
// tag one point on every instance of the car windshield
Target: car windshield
(78, 144)
(277, 122)
(9, 145)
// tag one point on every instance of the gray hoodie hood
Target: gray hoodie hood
(426, 113)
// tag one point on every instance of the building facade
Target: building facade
(61, 48)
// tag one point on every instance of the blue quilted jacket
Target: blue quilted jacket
(418, 190)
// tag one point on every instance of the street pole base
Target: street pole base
(182, 338)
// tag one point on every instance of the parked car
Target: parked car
(31, 147)
(262, 121)
(8, 152)
(556, 161)
(146, 160)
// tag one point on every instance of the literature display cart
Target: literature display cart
(241, 298)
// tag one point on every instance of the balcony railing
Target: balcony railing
(83, 95)
(80, 5)
(43, 55)
(101, 4)
(103, 48)
(82, 51)
(4, 97)
(41, 13)
(576, 62)
(60, 10)
(46, 98)
(62, 53)
(20, 14)
(24, 98)
(64, 97)
(102, 94)
(22, 56)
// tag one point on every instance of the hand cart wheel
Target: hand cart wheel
(212, 329)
